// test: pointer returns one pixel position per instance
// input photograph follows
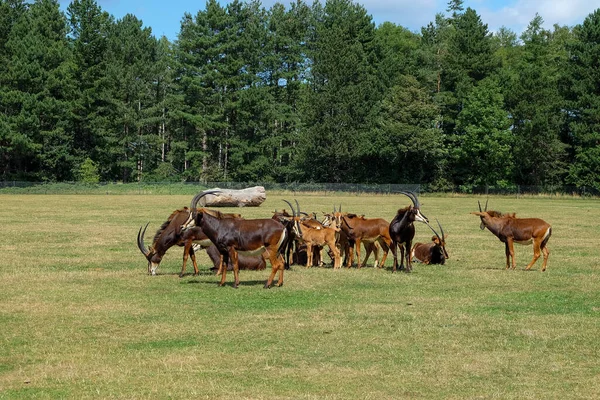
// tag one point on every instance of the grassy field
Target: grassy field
(79, 317)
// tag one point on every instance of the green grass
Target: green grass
(79, 317)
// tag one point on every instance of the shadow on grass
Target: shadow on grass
(229, 283)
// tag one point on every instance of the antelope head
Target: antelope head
(482, 214)
(195, 217)
(440, 240)
(152, 256)
(415, 209)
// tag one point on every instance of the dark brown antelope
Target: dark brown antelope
(402, 231)
(168, 235)
(171, 234)
(245, 236)
(510, 229)
(433, 252)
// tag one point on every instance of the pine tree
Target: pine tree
(38, 91)
(484, 139)
(89, 32)
(535, 106)
(583, 95)
(344, 90)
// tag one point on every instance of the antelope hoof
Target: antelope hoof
(267, 286)
(279, 284)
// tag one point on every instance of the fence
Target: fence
(191, 188)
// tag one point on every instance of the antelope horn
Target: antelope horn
(292, 207)
(140, 240)
(297, 205)
(486, 201)
(436, 234)
(441, 229)
(480, 210)
(334, 211)
(340, 207)
(412, 198)
(196, 199)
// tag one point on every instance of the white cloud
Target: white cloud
(519, 14)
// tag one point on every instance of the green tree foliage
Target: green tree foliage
(296, 92)
(130, 117)
(409, 144)
(484, 138)
(343, 93)
(536, 107)
(583, 102)
(37, 89)
(88, 172)
(89, 33)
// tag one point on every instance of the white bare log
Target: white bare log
(249, 197)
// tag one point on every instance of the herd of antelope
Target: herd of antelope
(233, 242)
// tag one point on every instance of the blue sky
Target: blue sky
(164, 16)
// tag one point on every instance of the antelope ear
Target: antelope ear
(481, 214)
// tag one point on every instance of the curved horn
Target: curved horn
(441, 229)
(297, 206)
(479, 204)
(340, 207)
(436, 234)
(292, 207)
(140, 240)
(196, 199)
(486, 201)
(412, 198)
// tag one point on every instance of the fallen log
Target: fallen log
(249, 197)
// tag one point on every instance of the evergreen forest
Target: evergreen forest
(298, 92)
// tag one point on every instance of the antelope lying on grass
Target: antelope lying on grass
(433, 252)
(510, 229)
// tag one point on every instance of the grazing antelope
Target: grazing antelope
(510, 229)
(433, 252)
(170, 234)
(241, 236)
(313, 234)
(402, 231)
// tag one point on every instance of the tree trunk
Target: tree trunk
(249, 197)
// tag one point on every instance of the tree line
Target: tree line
(296, 93)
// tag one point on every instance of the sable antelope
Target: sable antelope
(291, 245)
(246, 262)
(368, 231)
(510, 229)
(433, 252)
(170, 234)
(402, 231)
(245, 236)
(313, 234)
(288, 245)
